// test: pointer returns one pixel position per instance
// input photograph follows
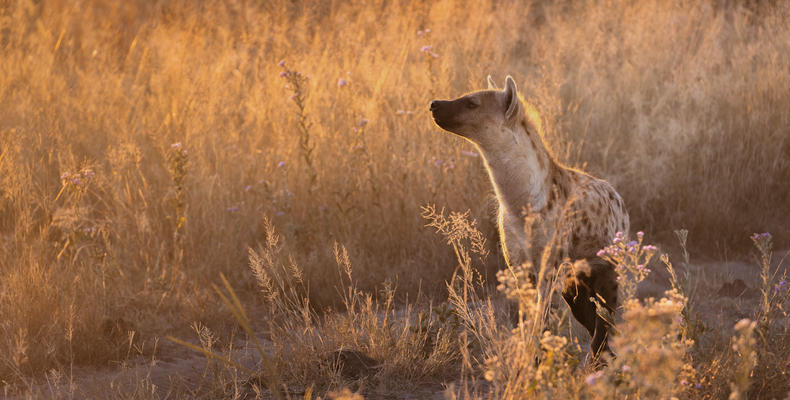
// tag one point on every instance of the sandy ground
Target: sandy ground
(725, 293)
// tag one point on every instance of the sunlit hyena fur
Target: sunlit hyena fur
(576, 213)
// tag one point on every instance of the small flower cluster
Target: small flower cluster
(620, 247)
(593, 378)
(761, 236)
(553, 343)
(361, 124)
(404, 112)
(651, 352)
(428, 50)
(450, 164)
(297, 81)
(630, 259)
(493, 366)
(343, 82)
(89, 230)
(470, 153)
(77, 180)
(744, 344)
(516, 284)
(781, 287)
(763, 242)
(178, 157)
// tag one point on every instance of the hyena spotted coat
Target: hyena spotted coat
(578, 213)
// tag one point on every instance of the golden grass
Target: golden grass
(683, 107)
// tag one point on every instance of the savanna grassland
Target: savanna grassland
(150, 150)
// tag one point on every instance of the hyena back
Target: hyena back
(578, 213)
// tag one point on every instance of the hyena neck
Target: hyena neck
(521, 169)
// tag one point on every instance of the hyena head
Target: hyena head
(481, 116)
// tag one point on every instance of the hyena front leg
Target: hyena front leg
(592, 278)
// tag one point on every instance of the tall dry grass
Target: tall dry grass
(141, 144)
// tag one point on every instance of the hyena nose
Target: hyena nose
(434, 105)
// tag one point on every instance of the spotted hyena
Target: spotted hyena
(579, 214)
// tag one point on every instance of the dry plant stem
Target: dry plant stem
(744, 344)
(232, 301)
(298, 85)
(764, 245)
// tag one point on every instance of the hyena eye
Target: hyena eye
(470, 104)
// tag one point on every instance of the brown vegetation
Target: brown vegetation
(143, 143)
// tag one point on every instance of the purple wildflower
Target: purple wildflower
(281, 164)
(592, 378)
(342, 82)
(640, 234)
(781, 286)
(176, 146)
(429, 51)
(469, 153)
(283, 74)
(248, 188)
(281, 63)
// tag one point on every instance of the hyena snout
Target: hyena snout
(445, 114)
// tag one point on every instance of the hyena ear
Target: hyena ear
(511, 98)
(491, 83)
